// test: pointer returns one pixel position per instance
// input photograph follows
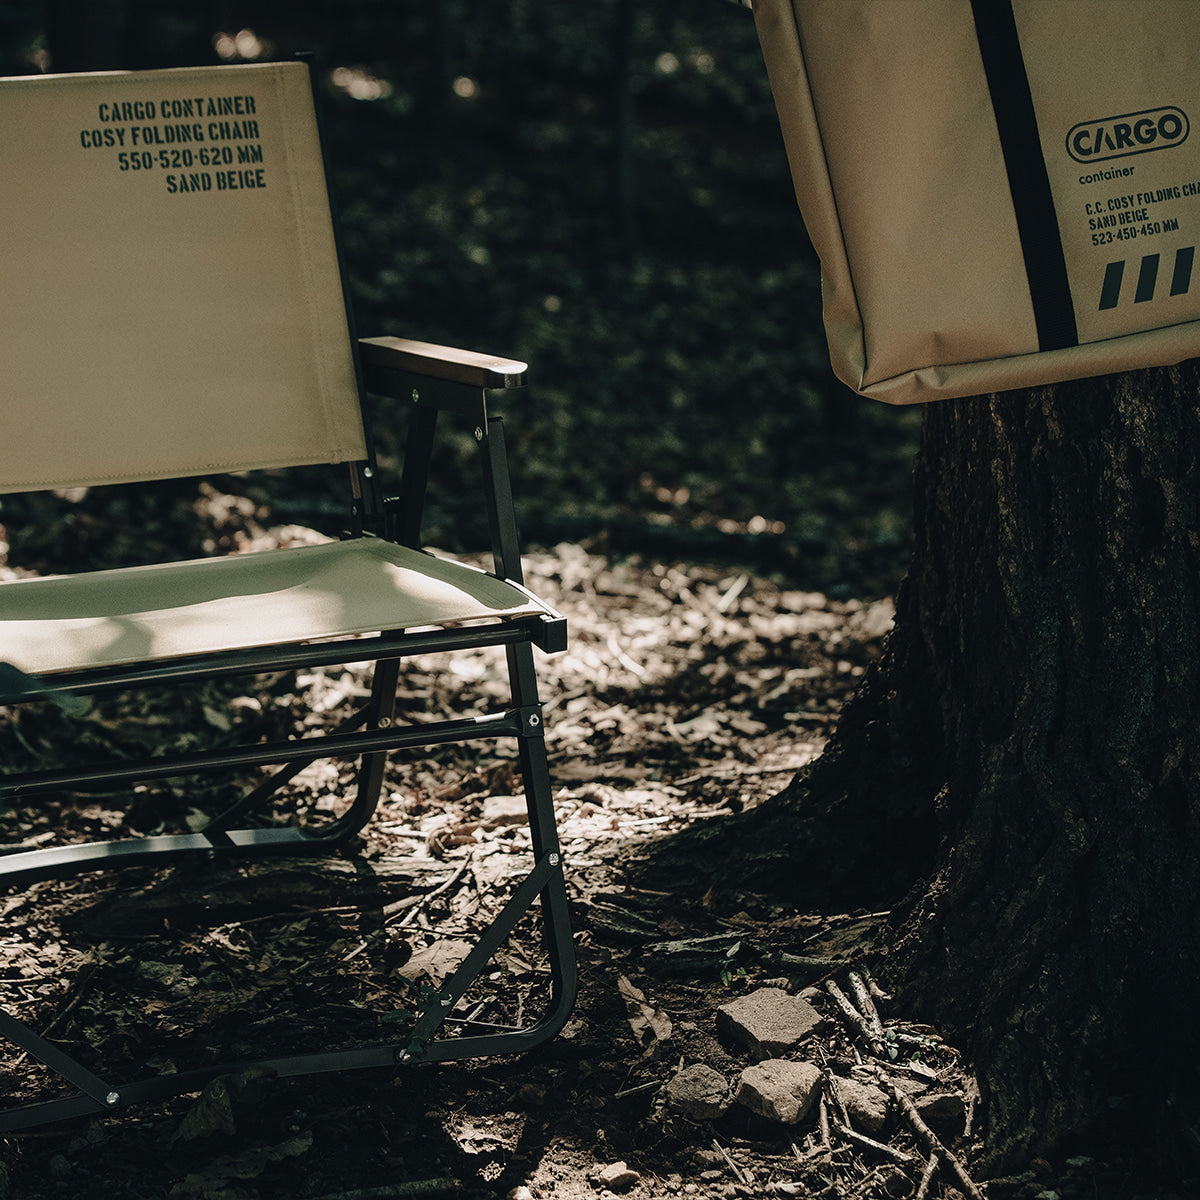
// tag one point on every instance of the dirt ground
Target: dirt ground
(687, 694)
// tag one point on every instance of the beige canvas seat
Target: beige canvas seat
(173, 306)
(174, 610)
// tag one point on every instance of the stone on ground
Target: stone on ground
(865, 1105)
(617, 1177)
(698, 1092)
(767, 1022)
(944, 1113)
(780, 1090)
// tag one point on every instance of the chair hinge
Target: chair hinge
(366, 507)
(530, 721)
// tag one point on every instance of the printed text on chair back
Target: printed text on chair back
(171, 302)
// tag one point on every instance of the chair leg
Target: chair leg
(377, 714)
(543, 890)
(371, 769)
(545, 883)
(250, 800)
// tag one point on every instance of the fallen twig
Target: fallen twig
(807, 962)
(634, 668)
(972, 1096)
(823, 1122)
(865, 1184)
(927, 1177)
(637, 1089)
(874, 987)
(743, 1177)
(861, 1140)
(409, 914)
(855, 1019)
(918, 1041)
(735, 589)
(848, 1011)
(932, 1141)
(830, 1093)
(866, 1006)
(79, 990)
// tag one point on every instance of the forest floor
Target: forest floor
(682, 412)
(688, 693)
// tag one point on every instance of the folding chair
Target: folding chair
(173, 306)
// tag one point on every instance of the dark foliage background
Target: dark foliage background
(598, 189)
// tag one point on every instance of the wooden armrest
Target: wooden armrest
(442, 362)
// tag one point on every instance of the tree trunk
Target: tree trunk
(1055, 591)
(1028, 751)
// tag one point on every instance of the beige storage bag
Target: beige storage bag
(1001, 194)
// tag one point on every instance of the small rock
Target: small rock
(780, 1090)
(865, 1105)
(768, 1022)
(698, 1092)
(520, 1192)
(944, 1113)
(617, 1177)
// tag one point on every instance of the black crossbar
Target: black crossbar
(547, 633)
(332, 745)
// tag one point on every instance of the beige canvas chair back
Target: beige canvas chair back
(1001, 192)
(171, 301)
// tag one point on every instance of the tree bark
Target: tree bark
(1055, 594)
(1026, 758)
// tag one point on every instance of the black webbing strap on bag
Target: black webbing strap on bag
(1033, 204)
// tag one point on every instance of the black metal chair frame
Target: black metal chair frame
(430, 379)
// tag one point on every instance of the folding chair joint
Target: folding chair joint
(530, 722)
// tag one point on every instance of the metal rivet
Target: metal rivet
(112, 1098)
(478, 433)
(384, 722)
(554, 860)
(534, 720)
(415, 395)
(368, 473)
(402, 1056)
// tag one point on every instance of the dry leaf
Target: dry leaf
(438, 960)
(651, 1026)
(209, 1184)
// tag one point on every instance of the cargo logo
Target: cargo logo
(1133, 133)
(1147, 280)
